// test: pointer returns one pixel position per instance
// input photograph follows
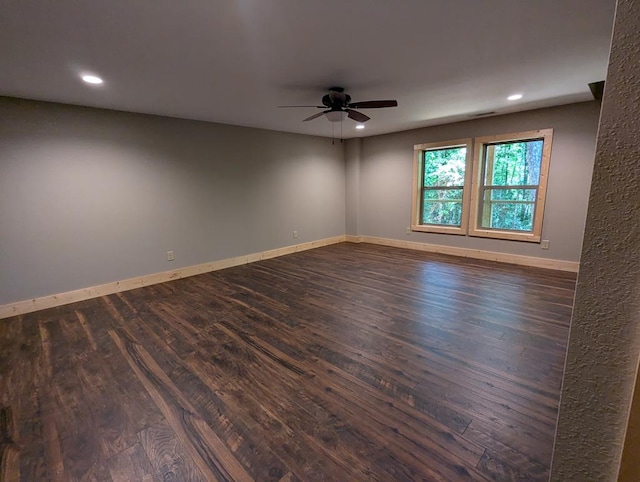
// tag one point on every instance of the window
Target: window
(498, 194)
(441, 173)
(509, 185)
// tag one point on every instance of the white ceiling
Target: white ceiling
(234, 61)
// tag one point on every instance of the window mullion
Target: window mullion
(487, 178)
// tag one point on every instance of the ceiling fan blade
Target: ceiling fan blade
(374, 104)
(357, 116)
(285, 106)
(314, 116)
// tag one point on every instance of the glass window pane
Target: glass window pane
(511, 194)
(513, 163)
(445, 167)
(442, 206)
(506, 215)
(447, 213)
(438, 194)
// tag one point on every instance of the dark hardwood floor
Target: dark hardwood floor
(350, 362)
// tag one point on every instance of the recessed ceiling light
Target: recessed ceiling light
(360, 126)
(515, 97)
(92, 79)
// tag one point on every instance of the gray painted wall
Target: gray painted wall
(604, 342)
(352, 155)
(90, 196)
(386, 176)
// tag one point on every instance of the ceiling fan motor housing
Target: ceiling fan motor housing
(336, 100)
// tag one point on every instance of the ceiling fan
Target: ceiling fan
(338, 106)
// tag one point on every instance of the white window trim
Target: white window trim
(416, 224)
(475, 228)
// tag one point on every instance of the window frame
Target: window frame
(418, 186)
(477, 187)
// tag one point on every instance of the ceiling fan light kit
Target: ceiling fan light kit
(336, 115)
(338, 107)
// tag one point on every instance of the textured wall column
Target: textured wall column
(630, 466)
(604, 340)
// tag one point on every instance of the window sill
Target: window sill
(507, 235)
(424, 228)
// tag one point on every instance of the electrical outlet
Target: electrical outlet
(544, 244)
(295, 234)
(170, 256)
(408, 231)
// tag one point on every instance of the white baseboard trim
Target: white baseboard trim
(50, 301)
(533, 261)
(353, 239)
(44, 302)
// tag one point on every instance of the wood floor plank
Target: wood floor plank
(53, 453)
(348, 362)
(385, 430)
(132, 464)
(283, 420)
(109, 371)
(110, 419)
(511, 466)
(205, 448)
(167, 455)
(250, 451)
(20, 379)
(9, 450)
